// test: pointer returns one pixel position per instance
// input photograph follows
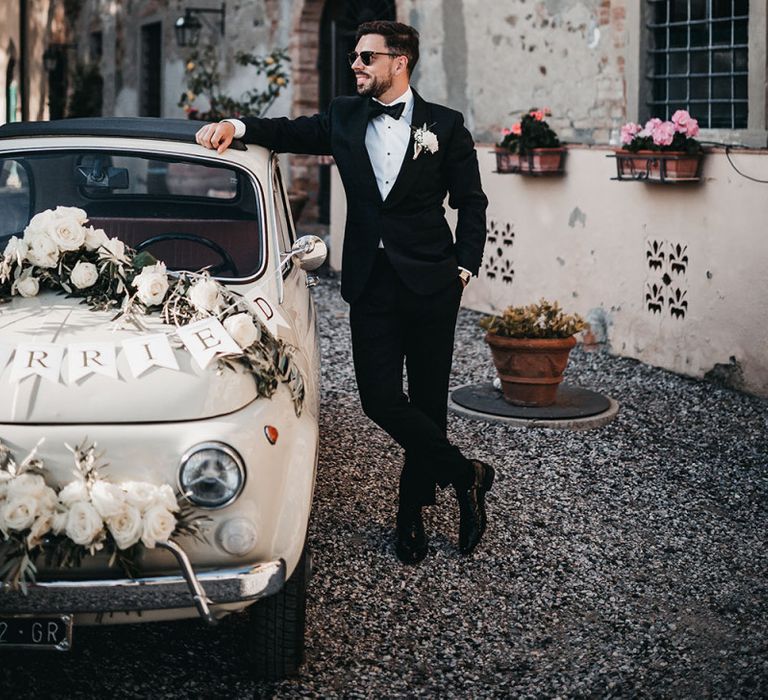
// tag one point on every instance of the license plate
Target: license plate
(36, 632)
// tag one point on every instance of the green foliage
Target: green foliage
(680, 142)
(203, 78)
(529, 133)
(543, 320)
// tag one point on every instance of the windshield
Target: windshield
(189, 214)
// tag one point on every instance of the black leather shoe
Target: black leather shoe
(410, 539)
(472, 516)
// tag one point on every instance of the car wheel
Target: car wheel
(277, 627)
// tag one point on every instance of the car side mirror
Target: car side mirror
(309, 252)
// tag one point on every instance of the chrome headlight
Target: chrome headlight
(211, 475)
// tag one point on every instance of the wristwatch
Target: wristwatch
(465, 276)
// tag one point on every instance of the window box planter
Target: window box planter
(538, 161)
(656, 166)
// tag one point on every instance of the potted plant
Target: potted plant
(530, 147)
(530, 347)
(661, 151)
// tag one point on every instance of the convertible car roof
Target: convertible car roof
(138, 127)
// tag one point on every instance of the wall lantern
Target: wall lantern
(188, 27)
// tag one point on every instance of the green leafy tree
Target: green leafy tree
(204, 79)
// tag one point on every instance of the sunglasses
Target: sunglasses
(367, 56)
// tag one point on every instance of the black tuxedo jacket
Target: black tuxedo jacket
(411, 220)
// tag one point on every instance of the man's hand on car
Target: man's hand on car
(216, 136)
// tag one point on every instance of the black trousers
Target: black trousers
(393, 326)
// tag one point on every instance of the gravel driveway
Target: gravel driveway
(620, 562)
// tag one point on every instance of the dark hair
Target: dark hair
(401, 39)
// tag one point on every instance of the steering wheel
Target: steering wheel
(227, 263)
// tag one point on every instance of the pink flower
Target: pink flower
(650, 126)
(517, 129)
(537, 114)
(685, 123)
(629, 131)
(663, 133)
(506, 132)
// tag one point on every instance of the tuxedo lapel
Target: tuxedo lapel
(411, 168)
(358, 126)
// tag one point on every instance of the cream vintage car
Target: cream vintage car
(244, 460)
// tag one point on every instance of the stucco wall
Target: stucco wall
(492, 60)
(599, 247)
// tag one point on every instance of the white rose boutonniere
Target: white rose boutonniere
(424, 140)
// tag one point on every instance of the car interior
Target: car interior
(191, 215)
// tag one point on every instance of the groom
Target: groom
(402, 273)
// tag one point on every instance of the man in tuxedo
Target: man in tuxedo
(402, 272)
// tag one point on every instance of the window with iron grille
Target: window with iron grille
(698, 60)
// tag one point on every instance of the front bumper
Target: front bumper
(151, 593)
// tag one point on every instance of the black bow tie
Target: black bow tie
(376, 109)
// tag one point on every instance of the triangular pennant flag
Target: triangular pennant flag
(91, 358)
(206, 339)
(41, 359)
(148, 351)
(268, 313)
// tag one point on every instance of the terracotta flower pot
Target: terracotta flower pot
(658, 165)
(542, 160)
(530, 369)
(507, 162)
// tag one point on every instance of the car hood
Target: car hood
(158, 395)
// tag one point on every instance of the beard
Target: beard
(376, 86)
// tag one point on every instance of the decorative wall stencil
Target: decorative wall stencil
(666, 288)
(498, 263)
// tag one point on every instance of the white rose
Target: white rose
(79, 215)
(108, 499)
(26, 286)
(27, 484)
(151, 284)
(140, 494)
(204, 295)
(74, 492)
(84, 275)
(19, 513)
(95, 238)
(15, 249)
(40, 528)
(429, 141)
(126, 526)
(68, 234)
(165, 497)
(39, 224)
(114, 248)
(43, 252)
(242, 329)
(84, 524)
(159, 524)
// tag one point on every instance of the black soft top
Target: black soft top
(139, 127)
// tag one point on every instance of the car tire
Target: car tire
(277, 627)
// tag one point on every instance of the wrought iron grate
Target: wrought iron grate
(697, 60)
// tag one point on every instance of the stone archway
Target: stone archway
(305, 54)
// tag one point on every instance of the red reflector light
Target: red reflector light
(271, 432)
